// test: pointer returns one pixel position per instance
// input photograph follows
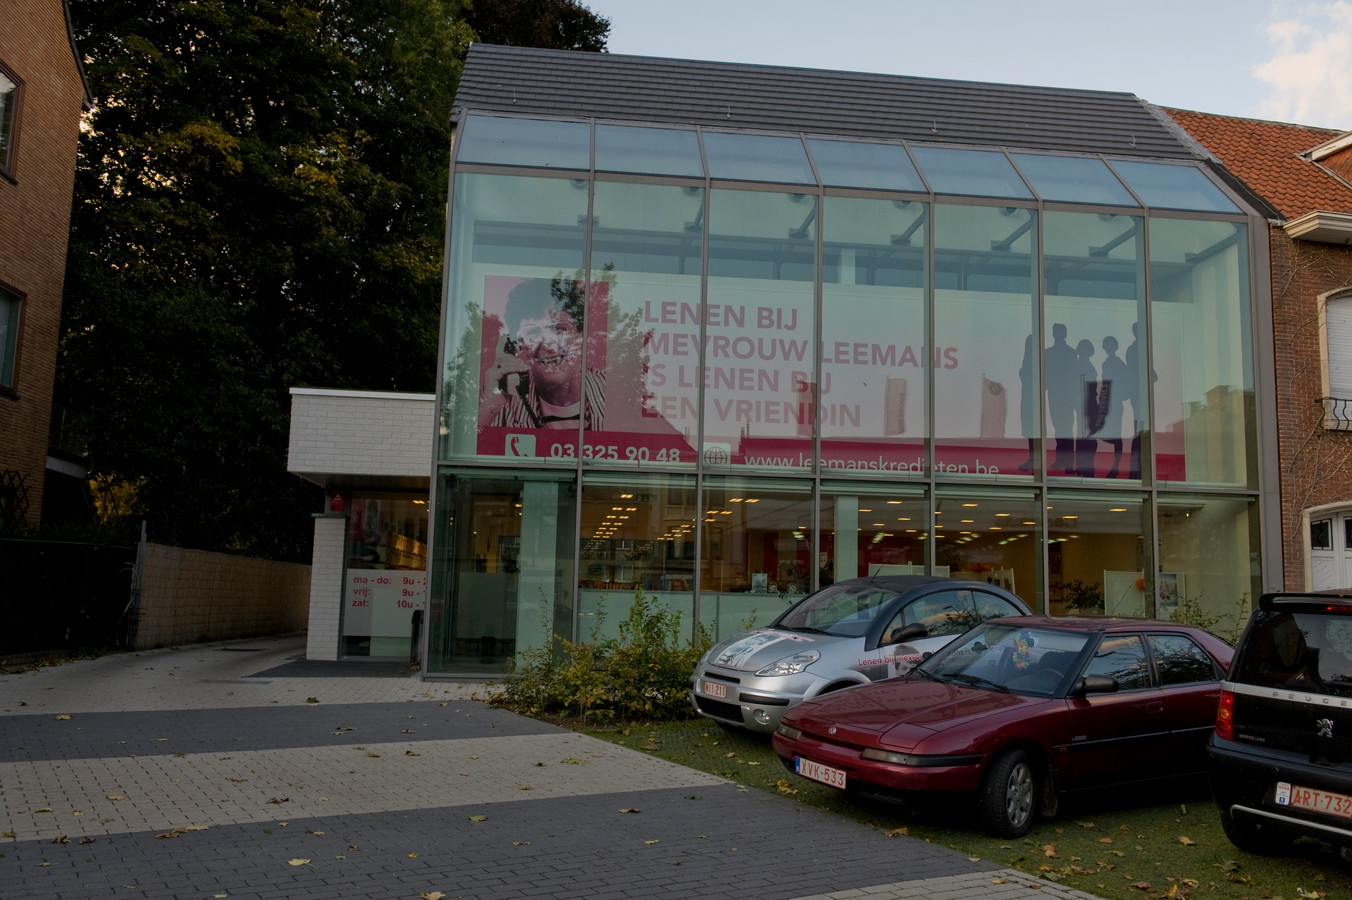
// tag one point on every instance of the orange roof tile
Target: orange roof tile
(1266, 156)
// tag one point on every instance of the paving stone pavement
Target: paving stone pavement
(240, 770)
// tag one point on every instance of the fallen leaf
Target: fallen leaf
(411, 753)
(520, 843)
(408, 731)
(479, 818)
(1048, 850)
(1186, 841)
(297, 862)
(161, 740)
(631, 809)
(997, 881)
(413, 856)
(279, 800)
(650, 843)
(574, 761)
(431, 895)
(311, 699)
(1141, 885)
(116, 797)
(1105, 840)
(60, 839)
(9, 834)
(64, 717)
(44, 809)
(896, 832)
(372, 754)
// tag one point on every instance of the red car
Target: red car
(1017, 711)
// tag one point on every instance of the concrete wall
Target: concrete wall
(192, 595)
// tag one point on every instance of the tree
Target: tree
(259, 205)
(562, 24)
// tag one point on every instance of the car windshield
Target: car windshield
(845, 610)
(1310, 650)
(1007, 657)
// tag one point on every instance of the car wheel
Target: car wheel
(1009, 794)
(1254, 838)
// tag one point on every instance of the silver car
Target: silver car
(851, 632)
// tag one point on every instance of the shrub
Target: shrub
(643, 674)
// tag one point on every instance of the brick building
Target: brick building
(42, 97)
(1304, 174)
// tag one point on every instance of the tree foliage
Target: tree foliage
(259, 205)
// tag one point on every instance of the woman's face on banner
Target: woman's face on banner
(551, 344)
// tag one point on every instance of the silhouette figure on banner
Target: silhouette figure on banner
(1028, 405)
(1060, 368)
(1113, 394)
(1132, 379)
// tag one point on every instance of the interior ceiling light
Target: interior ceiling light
(1118, 509)
(895, 502)
(969, 504)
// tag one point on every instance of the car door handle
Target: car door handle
(1154, 706)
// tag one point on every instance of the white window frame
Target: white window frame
(1335, 359)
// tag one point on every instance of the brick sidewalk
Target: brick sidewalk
(209, 772)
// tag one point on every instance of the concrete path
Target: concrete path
(240, 770)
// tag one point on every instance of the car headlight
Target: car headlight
(792, 665)
(887, 756)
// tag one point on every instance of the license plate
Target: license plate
(715, 690)
(818, 772)
(1317, 801)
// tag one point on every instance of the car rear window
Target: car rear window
(1293, 648)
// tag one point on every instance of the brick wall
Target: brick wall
(34, 223)
(192, 595)
(1316, 464)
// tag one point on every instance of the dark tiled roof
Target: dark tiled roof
(1266, 156)
(736, 96)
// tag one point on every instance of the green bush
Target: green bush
(642, 675)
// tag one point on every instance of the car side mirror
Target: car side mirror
(913, 632)
(1096, 684)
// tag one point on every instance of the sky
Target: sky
(1283, 60)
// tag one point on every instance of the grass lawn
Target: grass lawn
(1139, 844)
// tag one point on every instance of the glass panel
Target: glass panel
(503, 571)
(638, 534)
(645, 335)
(983, 173)
(759, 333)
(498, 141)
(852, 164)
(873, 372)
(647, 151)
(757, 157)
(991, 535)
(1319, 535)
(984, 360)
(1173, 187)
(1202, 346)
(1209, 566)
(1179, 660)
(1097, 551)
(386, 573)
(9, 95)
(1094, 272)
(871, 530)
(1073, 179)
(1121, 657)
(514, 378)
(1347, 534)
(756, 551)
(9, 336)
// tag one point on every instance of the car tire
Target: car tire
(1009, 794)
(1252, 837)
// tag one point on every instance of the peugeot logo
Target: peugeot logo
(1323, 728)
(832, 729)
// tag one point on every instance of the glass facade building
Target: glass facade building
(725, 368)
